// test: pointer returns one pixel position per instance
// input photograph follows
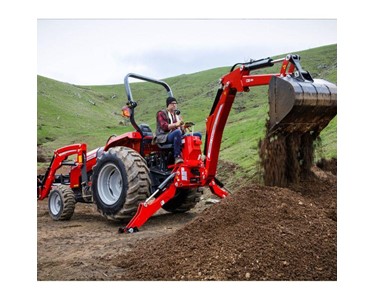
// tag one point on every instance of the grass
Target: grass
(69, 113)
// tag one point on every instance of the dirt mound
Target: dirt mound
(261, 233)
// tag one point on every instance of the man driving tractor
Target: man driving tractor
(170, 128)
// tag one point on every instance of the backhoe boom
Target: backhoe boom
(294, 98)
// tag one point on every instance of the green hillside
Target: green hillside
(69, 113)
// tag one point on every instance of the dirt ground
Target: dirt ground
(260, 233)
(86, 247)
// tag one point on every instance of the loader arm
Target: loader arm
(240, 80)
(60, 155)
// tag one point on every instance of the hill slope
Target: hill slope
(90, 114)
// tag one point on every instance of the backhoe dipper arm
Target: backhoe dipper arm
(238, 80)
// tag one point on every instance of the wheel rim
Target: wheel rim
(109, 184)
(55, 203)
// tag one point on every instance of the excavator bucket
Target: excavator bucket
(300, 106)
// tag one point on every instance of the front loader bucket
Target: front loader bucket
(298, 106)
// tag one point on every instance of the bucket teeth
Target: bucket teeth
(301, 106)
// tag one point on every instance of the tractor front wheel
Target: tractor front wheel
(61, 203)
(120, 182)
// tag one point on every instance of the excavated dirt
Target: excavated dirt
(286, 158)
(259, 233)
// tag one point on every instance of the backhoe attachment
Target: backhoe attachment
(299, 103)
(299, 106)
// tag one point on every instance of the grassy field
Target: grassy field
(68, 113)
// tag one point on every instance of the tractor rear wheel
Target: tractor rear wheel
(120, 182)
(184, 200)
(61, 203)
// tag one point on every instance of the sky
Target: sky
(103, 51)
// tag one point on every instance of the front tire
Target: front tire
(120, 182)
(61, 203)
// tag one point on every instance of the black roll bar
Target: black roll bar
(131, 103)
(144, 78)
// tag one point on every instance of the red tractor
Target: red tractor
(132, 178)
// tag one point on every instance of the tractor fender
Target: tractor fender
(128, 139)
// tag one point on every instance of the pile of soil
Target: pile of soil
(259, 233)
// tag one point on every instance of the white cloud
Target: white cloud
(104, 51)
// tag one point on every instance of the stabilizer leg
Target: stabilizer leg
(147, 209)
(217, 188)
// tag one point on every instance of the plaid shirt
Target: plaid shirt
(163, 120)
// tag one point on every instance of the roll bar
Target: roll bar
(144, 78)
(131, 103)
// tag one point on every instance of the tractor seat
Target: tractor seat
(146, 130)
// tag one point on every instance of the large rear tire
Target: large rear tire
(120, 182)
(61, 203)
(184, 200)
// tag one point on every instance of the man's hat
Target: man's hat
(170, 100)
